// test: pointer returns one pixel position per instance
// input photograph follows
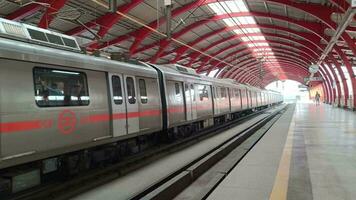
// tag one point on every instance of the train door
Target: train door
(251, 99)
(248, 99)
(194, 101)
(188, 101)
(133, 125)
(118, 105)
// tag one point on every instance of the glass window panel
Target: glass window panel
(177, 88)
(57, 87)
(143, 91)
(131, 94)
(117, 90)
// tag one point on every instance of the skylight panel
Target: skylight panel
(250, 20)
(227, 6)
(245, 20)
(232, 5)
(242, 20)
(251, 30)
(217, 8)
(238, 31)
(241, 5)
(245, 39)
(263, 44)
(257, 40)
(229, 22)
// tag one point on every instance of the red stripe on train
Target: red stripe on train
(11, 127)
(25, 126)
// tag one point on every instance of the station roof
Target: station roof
(252, 41)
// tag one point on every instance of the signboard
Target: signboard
(307, 79)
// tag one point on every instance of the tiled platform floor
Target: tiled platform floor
(309, 154)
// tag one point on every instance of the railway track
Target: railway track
(94, 178)
(211, 168)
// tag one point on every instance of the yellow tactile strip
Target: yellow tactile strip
(280, 187)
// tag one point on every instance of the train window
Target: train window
(54, 39)
(117, 90)
(177, 88)
(203, 92)
(54, 87)
(223, 92)
(192, 91)
(131, 94)
(217, 93)
(143, 91)
(37, 35)
(237, 93)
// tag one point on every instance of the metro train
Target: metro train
(62, 110)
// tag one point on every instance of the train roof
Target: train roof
(20, 50)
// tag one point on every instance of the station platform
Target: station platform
(308, 154)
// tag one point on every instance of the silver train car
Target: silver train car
(59, 107)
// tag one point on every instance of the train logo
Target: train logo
(67, 122)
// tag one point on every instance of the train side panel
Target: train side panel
(244, 99)
(149, 99)
(235, 99)
(40, 127)
(175, 101)
(204, 101)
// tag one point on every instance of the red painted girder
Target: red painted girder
(50, 13)
(229, 38)
(344, 82)
(296, 68)
(116, 41)
(338, 82)
(309, 25)
(272, 43)
(350, 71)
(279, 57)
(330, 80)
(244, 62)
(336, 79)
(287, 67)
(106, 21)
(328, 84)
(142, 33)
(241, 62)
(26, 11)
(291, 70)
(313, 27)
(237, 36)
(165, 43)
(289, 74)
(245, 65)
(270, 77)
(307, 36)
(281, 61)
(303, 43)
(310, 8)
(320, 12)
(273, 49)
(308, 52)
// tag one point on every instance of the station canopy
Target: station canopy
(253, 41)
